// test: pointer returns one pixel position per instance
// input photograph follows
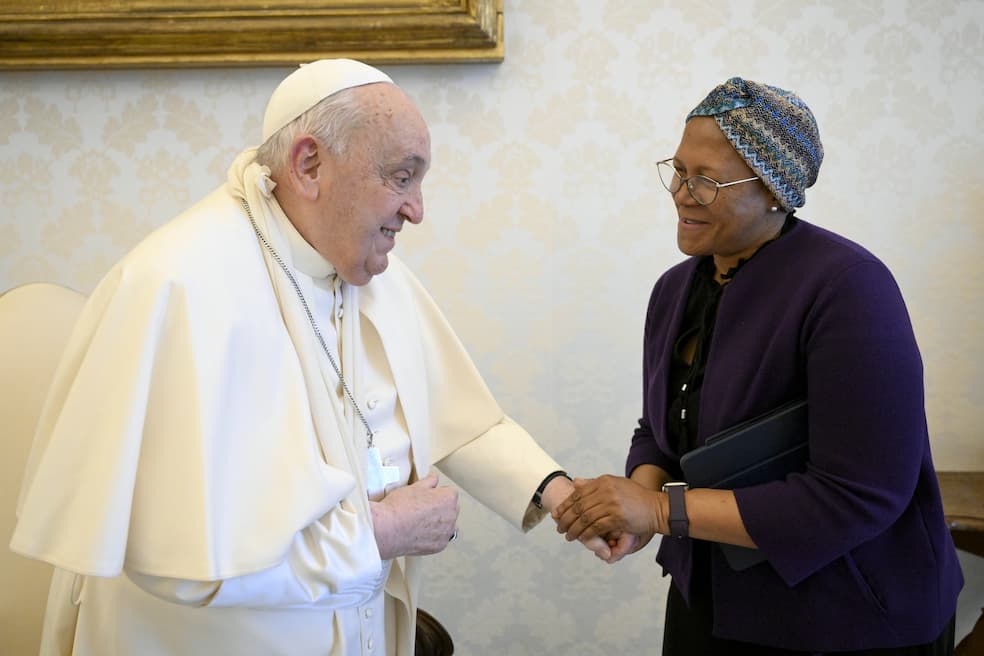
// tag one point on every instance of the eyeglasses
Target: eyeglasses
(702, 189)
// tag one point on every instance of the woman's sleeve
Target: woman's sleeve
(867, 428)
(644, 450)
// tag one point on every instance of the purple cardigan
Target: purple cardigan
(859, 554)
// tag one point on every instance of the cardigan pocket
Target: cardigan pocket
(863, 584)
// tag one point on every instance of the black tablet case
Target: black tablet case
(762, 449)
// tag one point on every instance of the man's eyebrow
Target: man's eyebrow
(414, 159)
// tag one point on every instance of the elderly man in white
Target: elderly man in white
(235, 455)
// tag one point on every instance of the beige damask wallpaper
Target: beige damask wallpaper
(547, 226)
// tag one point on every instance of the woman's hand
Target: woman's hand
(625, 513)
(560, 488)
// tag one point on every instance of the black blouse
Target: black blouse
(683, 409)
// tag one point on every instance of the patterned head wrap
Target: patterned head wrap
(773, 130)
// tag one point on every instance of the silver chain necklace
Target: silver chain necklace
(314, 325)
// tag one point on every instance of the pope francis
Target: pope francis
(235, 454)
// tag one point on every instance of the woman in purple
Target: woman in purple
(769, 308)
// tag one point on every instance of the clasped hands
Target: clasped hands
(417, 519)
(611, 516)
(619, 511)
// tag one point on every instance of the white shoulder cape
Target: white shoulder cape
(187, 433)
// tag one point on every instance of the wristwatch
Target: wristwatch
(679, 524)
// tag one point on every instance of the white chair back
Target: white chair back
(35, 322)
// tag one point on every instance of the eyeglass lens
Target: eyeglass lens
(702, 189)
(668, 176)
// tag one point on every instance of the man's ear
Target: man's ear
(306, 166)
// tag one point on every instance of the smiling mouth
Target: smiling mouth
(692, 222)
(388, 232)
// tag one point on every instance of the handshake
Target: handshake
(611, 516)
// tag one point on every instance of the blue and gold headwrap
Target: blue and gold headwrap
(773, 130)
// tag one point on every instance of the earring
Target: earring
(774, 209)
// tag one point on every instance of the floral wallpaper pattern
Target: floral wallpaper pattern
(546, 227)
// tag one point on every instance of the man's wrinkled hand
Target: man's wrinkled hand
(415, 520)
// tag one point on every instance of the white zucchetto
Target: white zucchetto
(312, 83)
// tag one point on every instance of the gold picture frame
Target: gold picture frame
(72, 34)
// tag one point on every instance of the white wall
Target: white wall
(547, 226)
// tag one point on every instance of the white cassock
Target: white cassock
(198, 478)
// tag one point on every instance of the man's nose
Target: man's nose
(413, 209)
